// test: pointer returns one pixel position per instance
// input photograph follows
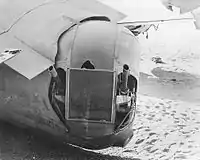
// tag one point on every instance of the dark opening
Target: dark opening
(57, 92)
(62, 76)
(88, 65)
(126, 97)
(95, 18)
(126, 67)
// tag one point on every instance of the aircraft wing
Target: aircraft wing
(11, 10)
(34, 26)
(28, 62)
(143, 14)
(139, 27)
(185, 6)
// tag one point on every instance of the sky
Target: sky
(142, 9)
(174, 35)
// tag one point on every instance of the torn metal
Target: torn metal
(8, 54)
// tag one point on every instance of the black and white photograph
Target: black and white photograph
(99, 80)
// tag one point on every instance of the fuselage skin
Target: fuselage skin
(26, 102)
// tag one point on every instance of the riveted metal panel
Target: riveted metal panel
(95, 41)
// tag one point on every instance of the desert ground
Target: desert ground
(167, 124)
(168, 109)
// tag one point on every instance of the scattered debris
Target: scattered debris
(12, 51)
(8, 54)
(158, 60)
(174, 80)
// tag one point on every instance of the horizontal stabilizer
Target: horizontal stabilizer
(28, 62)
(39, 23)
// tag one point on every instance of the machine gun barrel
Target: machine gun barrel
(53, 72)
(55, 76)
(56, 106)
(124, 86)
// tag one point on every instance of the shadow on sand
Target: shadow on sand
(17, 143)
